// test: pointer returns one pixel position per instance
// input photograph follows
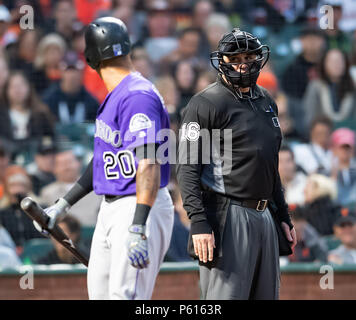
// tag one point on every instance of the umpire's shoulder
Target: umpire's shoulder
(207, 98)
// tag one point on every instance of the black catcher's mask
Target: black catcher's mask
(236, 42)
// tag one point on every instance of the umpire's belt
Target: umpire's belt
(258, 205)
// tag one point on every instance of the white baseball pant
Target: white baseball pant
(110, 274)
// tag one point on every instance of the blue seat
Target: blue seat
(332, 242)
(86, 235)
(34, 249)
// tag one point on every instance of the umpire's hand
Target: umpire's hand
(204, 245)
(290, 234)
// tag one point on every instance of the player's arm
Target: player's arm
(148, 178)
(80, 189)
(196, 117)
(140, 122)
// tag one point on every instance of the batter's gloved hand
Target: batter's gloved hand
(55, 213)
(137, 246)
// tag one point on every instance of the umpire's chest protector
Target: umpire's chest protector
(255, 141)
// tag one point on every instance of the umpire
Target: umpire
(233, 232)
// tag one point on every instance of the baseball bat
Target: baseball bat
(36, 213)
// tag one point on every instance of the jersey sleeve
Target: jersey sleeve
(196, 117)
(140, 120)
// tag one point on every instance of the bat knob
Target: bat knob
(26, 203)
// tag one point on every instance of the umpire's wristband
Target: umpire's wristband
(141, 214)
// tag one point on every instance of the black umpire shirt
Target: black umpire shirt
(253, 153)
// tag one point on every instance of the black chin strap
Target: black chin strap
(234, 88)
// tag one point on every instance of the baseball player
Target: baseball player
(135, 220)
(232, 230)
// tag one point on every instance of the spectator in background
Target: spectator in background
(7, 35)
(160, 22)
(347, 22)
(353, 59)
(77, 43)
(286, 121)
(50, 52)
(68, 100)
(293, 181)
(24, 119)
(281, 12)
(335, 37)
(67, 170)
(303, 69)
(345, 231)
(268, 80)
(23, 54)
(142, 63)
(166, 86)
(4, 163)
(60, 255)
(8, 256)
(188, 45)
(17, 185)
(310, 247)
(316, 156)
(320, 210)
(201, 12)
(65, 16)
(185, 76)
(41, 171)
(133, 19)
(4, 74)
(333, 94)
(343, 148)
(87, 11)
(204, 79)
(215, 27)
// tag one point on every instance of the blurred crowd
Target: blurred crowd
(49, 97)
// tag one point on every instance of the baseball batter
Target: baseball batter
(135, 220)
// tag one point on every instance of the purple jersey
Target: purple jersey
(132, 115)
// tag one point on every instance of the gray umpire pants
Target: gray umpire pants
(249, 266)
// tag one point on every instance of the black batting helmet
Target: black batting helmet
(236, 42)
(105, 38)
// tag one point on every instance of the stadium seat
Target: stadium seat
(86, 235)
(332, 242)
(35, 248)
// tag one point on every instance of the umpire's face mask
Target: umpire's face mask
(241, 70)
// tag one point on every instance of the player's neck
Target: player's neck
(112, 76)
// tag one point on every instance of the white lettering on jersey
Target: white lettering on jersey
(190, 131)
(105, 133)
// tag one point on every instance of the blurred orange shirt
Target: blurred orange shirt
(87, 10)
(94, 84)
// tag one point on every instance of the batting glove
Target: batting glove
(137, 246)
(55, 213)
